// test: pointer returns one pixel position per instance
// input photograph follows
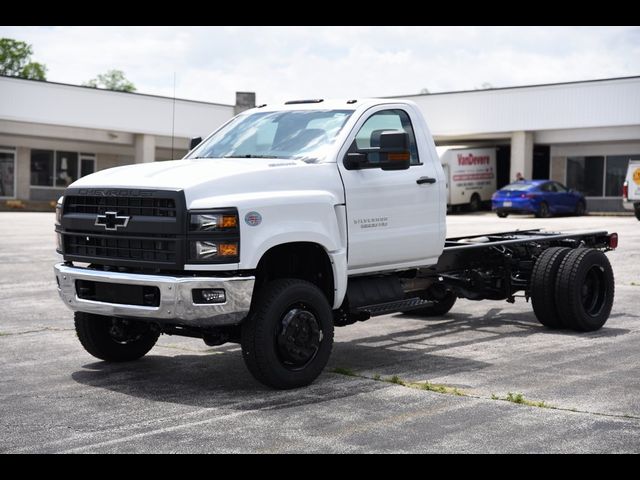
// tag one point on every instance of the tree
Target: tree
(112, 80)
(424, 91)
(15, 60)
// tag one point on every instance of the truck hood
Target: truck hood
(207, 177)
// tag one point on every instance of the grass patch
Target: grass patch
(520, 400)
(345, 371)
(396, 380)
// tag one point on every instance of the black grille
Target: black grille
(154, 235)
(141, 206)
(157, 249)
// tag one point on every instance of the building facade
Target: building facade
(52, 134)
(581, 134)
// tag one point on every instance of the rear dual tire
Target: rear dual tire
(572, 289)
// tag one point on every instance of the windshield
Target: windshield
(519, 186)
(296, 134)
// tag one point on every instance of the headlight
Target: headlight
(214, 251)
(213, 222)
(214, 236)
(59, 210)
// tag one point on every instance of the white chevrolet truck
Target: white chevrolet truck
(292, 219)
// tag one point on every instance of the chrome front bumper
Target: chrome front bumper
(176, 303)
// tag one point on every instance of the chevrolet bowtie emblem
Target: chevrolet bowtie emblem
(112, 221)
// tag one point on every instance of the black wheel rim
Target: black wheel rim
(123, 332)
(544, 210)
(298, 337)
(594, 291)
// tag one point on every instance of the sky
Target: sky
(283, 63)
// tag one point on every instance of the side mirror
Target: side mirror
(392, 154)
(195, 141)
(394, 150)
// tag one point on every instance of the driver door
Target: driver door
(393, 216)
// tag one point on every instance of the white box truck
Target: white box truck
(631, 188)
(470, 174)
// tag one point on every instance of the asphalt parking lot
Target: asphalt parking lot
(187, 397)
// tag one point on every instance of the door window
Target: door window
(386, 121)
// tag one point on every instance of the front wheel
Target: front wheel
(114, 339)
(543, 211)
(502, 214)
(288, 336)
(475, 203)
(636, 208)
(581, 208)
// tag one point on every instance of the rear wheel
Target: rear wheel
(502, 214)
(475, 203)
(586, 286)
(543, 286)
(543, 211)
(287, 338)
(439, 307)
(581, 208)
(114, 339)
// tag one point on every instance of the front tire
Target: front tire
(586, 286)
(543, 286)
(502, 214)
(581, 208)
(288, 336)
(636, 208)
(113, 339)
(475, 203)
(543, 211)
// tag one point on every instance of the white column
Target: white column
(145, 147)
(521, 155)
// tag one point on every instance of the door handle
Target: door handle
(422, 180)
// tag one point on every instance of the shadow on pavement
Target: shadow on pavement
(220, 379)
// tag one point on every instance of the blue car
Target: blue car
(540, 197)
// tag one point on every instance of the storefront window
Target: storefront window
(42, 168)
(585, 175)
(59, 169)
(66, 168)
(7, 173)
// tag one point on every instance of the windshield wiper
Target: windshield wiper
(251, 156)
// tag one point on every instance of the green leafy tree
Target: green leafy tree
(15, 60)
(112, 80)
